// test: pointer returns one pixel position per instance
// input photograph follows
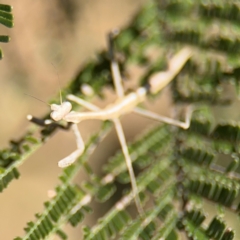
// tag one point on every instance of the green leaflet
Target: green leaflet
(138, 226)
(6, 19)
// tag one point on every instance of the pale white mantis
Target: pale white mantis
(123, 105)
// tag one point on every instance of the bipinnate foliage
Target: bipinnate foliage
(179, 171)
(6, 19)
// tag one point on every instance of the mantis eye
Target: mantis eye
(66, 107)
(59, 111)
(56, 116)
(55, 107)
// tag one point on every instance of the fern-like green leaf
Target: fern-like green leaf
(6, 19)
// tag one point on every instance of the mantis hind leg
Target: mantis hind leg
(157, 117)
(128, 160)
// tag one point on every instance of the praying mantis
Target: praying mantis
(123, 105)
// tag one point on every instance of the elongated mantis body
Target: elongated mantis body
(123, 105)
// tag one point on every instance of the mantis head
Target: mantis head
(60, 111)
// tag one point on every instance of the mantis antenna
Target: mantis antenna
(36, 99)
(59, 85)
(123, 105)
